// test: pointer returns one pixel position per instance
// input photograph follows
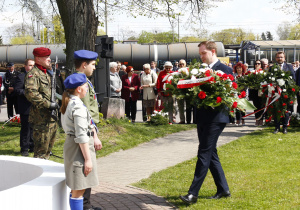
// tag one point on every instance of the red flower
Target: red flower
(285, 96)
(207, 73)
(278, 111)
(224, 76)
(291, 102)
(243, 94)
(219, 99)
(202, 95)
(231, 77)
(212, 79)
(271, 106)
(234, 85)
(234, 105)
(283, 104)
(293, 89)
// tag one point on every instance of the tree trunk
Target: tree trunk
(80, 24)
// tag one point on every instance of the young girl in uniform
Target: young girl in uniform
(79, 151)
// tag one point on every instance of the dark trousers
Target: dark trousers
(239, 114)
(284, 120)
(87, 198)
(298, 103)
(12, 101)
(208, 135)
(130, 109)
(26, 140)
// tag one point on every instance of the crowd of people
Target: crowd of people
(29, 93)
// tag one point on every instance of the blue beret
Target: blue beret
(9, 64)
(75, 80)
(85, 54)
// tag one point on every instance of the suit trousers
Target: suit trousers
(208, 158)
(26, 139)
(130, 109)
(12, 101)
(87, 198)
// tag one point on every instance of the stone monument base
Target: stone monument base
(113, 107)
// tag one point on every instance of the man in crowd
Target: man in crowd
(85, 62)
(280, 60)
(176, 67)
(9, 83)
(297, 65)
(154, 68)
(122, 71)
(26, 138)
(264, 63)
(42, 115)
(210, 125)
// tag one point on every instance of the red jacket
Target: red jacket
(135, 82)
(160, 83)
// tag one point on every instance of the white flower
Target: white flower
(270, 78)
(265, 73)
(270, 88)
(273, 78)
(202, 70)
(261, 72)
(280, 82)
(290, 77)
(193, 78)
(175, 73)
(204, 64)
(284, 90)
(282, 74)
(275, 69)
(155, 112)
(271, 73)
(220, 72)
(184, 71)
(194, 71)
(252, 71)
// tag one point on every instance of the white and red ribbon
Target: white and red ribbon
(189, 83)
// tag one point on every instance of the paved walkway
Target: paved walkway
(118, 170)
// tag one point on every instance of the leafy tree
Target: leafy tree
(145, 37)
(232, 36)
(162, 37)
(263, 36)
(295, 33)
(290, 7)
(191, 39)
(269, 36)
(283, 30)
(26, 39)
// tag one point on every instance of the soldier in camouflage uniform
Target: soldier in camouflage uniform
(38, 92)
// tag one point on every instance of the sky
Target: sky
(256, 16)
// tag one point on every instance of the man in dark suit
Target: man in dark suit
(280, 59)
(10, 79)
(210, 124)
(26, 140)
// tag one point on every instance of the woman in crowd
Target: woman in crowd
(130, 92)
(148, 83)
(79, 152)
(115, 81)
(257, 100)
(238, 71)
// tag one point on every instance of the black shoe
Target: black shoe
(189, 198)
(224, 194)
(276, 131)
(181, 122)
(284, 131)
(25, 153)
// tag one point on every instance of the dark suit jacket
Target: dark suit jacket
(298, 77)
(210, 115)
(23, 104)
(289, 67)
(126, 84)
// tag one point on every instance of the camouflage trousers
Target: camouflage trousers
(44, 139)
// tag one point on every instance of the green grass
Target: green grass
(115, 136)
(262, 170)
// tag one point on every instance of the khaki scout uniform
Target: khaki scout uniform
(90, 101)
(38, 93)
(76, 123)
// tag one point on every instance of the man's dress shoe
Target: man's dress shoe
(284, 131)
(189, 198)
(276, 131)
(224, 194)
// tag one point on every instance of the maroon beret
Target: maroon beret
(41, 52)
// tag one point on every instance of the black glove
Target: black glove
(54, 106)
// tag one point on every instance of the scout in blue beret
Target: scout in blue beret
(80, 129)
(85, 63)
(10, 64)
(75, 80)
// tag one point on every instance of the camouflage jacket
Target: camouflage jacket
(38, 92)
